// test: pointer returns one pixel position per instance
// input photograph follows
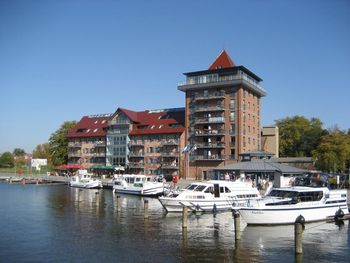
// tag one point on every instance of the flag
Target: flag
(186, 149)
(194, 147)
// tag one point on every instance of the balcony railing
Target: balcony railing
(170, 142)
(74, 144)
(210, 120)
(216, 78)
(211, 95)
(74, 154)
(170, 154)
(136, 143)
(211, 145)
(213, 157)
(136, 164)
(170, 166)
(210, 108)
(136, 154)
(210, 132)
(100, 144)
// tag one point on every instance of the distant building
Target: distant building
(222, 115)
(270, 140)
(87, 141)
(147, 142)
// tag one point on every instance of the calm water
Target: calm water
(49, 223)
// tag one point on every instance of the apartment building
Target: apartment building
(147, 142)
(222, 116)
(87, 141)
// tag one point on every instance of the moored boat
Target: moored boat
(210, 196)
(137, 185)
(84, 180)
(284, 205)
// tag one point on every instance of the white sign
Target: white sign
(37, 163)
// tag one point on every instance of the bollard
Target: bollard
(23, 181)
(37, 181)
(10, 180)
(184, 217)
(298, 234)
(145, 209)
(237, 223)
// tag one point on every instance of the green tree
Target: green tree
(18, 152)
(42, 151)
(59, 143)
(299, 136)
(7, 160)
(333, 152)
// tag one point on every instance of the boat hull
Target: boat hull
(153, 191)
(283, 215)
(175, 205)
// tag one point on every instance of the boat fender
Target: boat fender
(214, 209)
(339, 214)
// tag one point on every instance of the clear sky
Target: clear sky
(61, 60)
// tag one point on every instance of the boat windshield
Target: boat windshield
(307, 196)
(191, 186)
(200, 188)
(283, 194)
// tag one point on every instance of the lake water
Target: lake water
(56, 223)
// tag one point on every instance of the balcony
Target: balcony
(170, 166)
(74, 144)
(210, 120)
(74, 154)
(136, 165)
(99, 144)
(202, 133)
(170, 154)
(215, 80)
(136, 154)
(210, 96)
(207, 145)
(136, 143)
(209, 108)
(170, 142)
(213, 157)
(98, 155)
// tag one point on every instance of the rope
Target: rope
(306, 229)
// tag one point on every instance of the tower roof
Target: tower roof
(222, 61)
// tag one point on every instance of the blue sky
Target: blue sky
(61, 60)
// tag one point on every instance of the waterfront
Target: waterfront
(50, 223)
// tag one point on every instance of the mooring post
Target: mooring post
(237, 223)
(184, 217)
(118, 204)
(145, 209)
(37, 181)
(298, 234)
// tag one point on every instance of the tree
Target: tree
(42, 151)
(299, 136)
(18, 152)
(59, 143)
(333, 152)
(7, 160)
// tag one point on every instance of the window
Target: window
(232, 115)
(232, 104)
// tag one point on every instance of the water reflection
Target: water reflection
(89, 225)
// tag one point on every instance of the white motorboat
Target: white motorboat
(84, 180)
(210, 196)
(137, 185)
(284, 205)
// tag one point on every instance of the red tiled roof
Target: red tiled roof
(156, 122)
(222, 61)
(89, 127)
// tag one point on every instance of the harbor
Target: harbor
(118, 227)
